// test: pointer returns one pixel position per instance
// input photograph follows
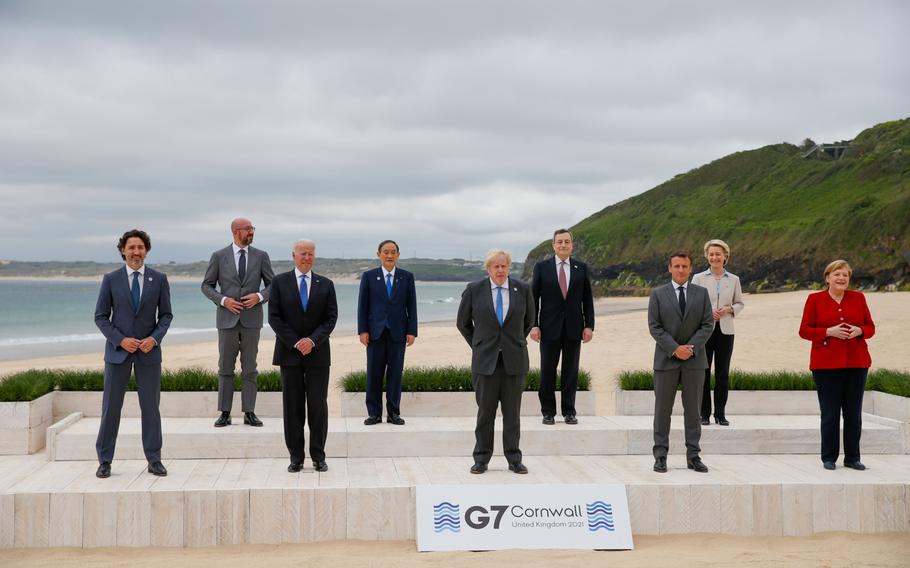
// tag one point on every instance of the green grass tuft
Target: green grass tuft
(445, 379)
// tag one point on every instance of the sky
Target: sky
(451, 127)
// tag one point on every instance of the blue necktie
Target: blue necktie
(388, 284)
(241, 268)
(499, 305)
(134, 291)
(304, 295)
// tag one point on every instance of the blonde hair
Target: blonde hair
(837, 265)
(493, 253)
(718, 243)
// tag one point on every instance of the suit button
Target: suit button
(842, 318)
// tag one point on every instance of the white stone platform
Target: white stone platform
(214, 502)
(196, 438)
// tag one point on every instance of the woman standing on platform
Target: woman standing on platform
(726, 302)
(838, 323)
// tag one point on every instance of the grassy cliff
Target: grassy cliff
(785, 217)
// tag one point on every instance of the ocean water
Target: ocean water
(41, 318)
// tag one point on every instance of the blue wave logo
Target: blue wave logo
(446, 517)
(600, 516)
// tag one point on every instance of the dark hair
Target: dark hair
(387, 241)
(561, 231)
(138, 233)
(680, 253)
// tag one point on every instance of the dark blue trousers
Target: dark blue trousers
(148, 385)
(385, 358)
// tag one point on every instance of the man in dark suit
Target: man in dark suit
(495, 316)
(302, 312)
(387, 324)
(680, 321)
(563, 319)
(133, 312)
(237, 271)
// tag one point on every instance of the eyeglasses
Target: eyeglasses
(250, 228)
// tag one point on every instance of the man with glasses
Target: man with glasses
(237, 271)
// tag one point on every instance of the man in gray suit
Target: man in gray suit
(237, 270)
(680, 320)
(495, 316)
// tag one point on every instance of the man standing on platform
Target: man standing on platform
(133, 312)
(237, 270)
(563, 319)
(681, 321)
(302, 312)
(387, 324)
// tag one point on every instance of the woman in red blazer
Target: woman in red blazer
(838, 323)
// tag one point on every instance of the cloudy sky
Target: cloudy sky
(451, 127)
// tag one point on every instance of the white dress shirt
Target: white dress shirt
(568, 261)
(505, 297)
(129, 276)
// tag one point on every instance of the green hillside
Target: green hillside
(785, 217)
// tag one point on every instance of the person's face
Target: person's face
(243, 233)
(838, 280)
(498, 270)
(134, 251)
(680, 268)
(562, 245)
(388, 255)
(304, 255)
(717, 257)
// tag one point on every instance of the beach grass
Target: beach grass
(446, 379)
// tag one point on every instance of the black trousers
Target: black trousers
(304, 392)
(491, 391)
(385, 358)
(550, 351)
(720, 348)
(840, 390)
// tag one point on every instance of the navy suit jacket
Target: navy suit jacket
(291, 324)
(553, 314)
(116, 319)
(375, 308)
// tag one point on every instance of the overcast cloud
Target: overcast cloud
(451, 127)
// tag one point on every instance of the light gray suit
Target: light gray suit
(670, 328)
(237, 332)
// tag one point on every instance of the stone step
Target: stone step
(196, 438)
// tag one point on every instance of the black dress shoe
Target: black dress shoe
(548, 420)
(829, 465)
(157, 468)
(104, 470)
(223, 420)
(857, 465)
(697, 465)
(722, 421)
(570, 419)
(295, 467)
(372, 420)
(251, 419)
(518, 467)
(395, 419)
(320, 466)
(478, 467)
(660, 465)
(705, 421)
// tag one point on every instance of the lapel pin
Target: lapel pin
(574, 266)
(150, 278)
(378, 278)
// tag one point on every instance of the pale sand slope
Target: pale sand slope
(766, 339)
(703, 550)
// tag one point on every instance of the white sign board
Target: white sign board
(496, 517)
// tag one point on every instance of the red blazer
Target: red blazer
(822, 312)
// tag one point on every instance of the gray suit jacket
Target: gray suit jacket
(670, 328)
(476, 320)
(223, 272)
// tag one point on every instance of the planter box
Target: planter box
(23, 425)
(739, 402)
(457, 403)
(173, 404)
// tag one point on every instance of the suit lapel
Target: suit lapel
(150, 280)
(674, 299)
(232, 265)
(513, 293)
(123, 283)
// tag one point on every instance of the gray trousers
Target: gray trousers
(665, 383)
(148, 385)
(491, 391)
(243, 340)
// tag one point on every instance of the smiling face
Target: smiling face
(243, 231)
(562, 245)
(838, 281)
(680, 268)
(498, 269)
(388, 254)
(304, 255)
(134, 252)
(717, 257)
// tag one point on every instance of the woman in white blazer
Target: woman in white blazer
(727, 302)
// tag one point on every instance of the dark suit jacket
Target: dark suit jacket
(291, 324)
(152, 320)
(476, 320)
(553, 313)
(670, 328)
(223, 272)
(375, 308)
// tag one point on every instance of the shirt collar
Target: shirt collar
(237, 249)
(709, 273)
(129, 271)
(385, 273)
(678, 286)
(298, 274)
(557, 260)
(494, 285)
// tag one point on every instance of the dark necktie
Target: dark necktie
(304, 293)
(499, 309)
(682, 300)
(388, 284)
(134, 291)
(241, 266)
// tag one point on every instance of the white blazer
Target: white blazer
(724, 292)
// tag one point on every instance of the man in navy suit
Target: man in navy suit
(387, 324)
(564, 318)
(133, 312)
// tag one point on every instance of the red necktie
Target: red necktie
(563, 285)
